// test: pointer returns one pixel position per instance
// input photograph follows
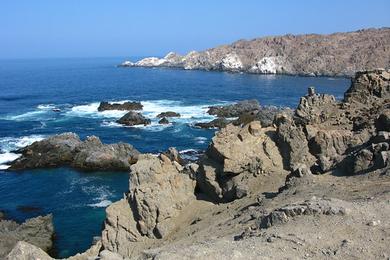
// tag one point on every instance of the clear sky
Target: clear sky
(102, 28)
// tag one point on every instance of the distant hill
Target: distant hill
(337, 54)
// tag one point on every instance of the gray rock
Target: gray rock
(120, 106)
(68, 150)
(234, 110)
(38, 231)
(133, 118)
(163, 121)
(168, 114)
(314, 206)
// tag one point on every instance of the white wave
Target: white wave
(8, 144)
(200, 139)
(7, 158)
(101, 204)
(91, 110)
(110, 124)
(46, 106)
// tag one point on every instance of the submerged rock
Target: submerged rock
(68, 150)
(133, 118)
(120, 106)
(38, 231)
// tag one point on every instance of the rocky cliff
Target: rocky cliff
(338, 54)
(267, 192)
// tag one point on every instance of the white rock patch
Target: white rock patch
(268, 65)
(150, 62)
(231, 62)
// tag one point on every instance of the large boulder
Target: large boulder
(133, 118)
(57, 150)
(236, 156)
(92, 154)
(120, 106)
(68, 150)
(38, 231)
(159, 190)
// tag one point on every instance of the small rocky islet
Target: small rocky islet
(265, 182)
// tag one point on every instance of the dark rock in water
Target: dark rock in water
(216, 123)
(54, 151)
(163, 121)
(68, 150)
(168, 114)
(116, 106)
(38, 231)
(2, 215)
(133, 118)
(28, 209)
(234, 110)
(265, 115)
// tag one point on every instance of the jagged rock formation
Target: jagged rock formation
(235, 158)
(133, 118)
(68, 150)
(159, 190)
(38, 231)
(338, 54)
(120, 106)
(258, 189)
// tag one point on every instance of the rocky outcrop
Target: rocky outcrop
(133, 118)
(120, 106)
(234, 159)
(159, 190)
(68, 150)
(168, 114)
(314, 206)
(38, 231)
(215, 123)
(338, 54)
(234, 110)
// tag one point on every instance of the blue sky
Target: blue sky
(103, 28)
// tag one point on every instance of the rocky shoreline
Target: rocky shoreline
(338, 54)
(263, 190)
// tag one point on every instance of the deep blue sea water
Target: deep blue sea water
(30, 89)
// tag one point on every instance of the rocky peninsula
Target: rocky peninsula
(312, 184)
(337, 54)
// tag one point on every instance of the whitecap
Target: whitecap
(46, 106)
(101, 204)
(6, 158)
(200, 139)
(110, 124)
(91, 110)
(9, 144)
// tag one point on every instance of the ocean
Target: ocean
(31, 89)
